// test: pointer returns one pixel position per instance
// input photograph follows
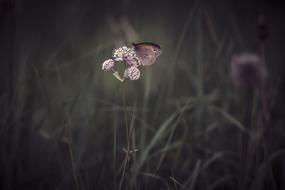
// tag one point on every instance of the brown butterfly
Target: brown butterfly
(147, 52)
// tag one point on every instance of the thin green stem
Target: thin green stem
(125, 112)
(264, 96)
(72, 159)
(127, 136)
(114, 148)
(247, 121)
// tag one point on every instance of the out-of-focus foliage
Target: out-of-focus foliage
(63, 120)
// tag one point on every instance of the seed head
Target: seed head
(262, 28)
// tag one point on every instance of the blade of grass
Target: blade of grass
(229, 118)
(186, 106)
(190, 183)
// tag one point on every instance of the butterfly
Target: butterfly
(147, 52)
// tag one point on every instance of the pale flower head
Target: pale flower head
(126, 54)
(108, 65)
(132, 60)
(118, 54)
(247, 70)
(133, 73)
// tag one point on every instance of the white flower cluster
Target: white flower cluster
(133, 73)
(119, 53)
(108, 65)
(127, 55)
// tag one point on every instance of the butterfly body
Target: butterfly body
(147, 52)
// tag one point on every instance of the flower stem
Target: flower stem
(127, 151)
(247, 121)
(117, 76)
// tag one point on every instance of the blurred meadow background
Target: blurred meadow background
(66, 124)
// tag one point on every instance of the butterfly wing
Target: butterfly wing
(146, 54)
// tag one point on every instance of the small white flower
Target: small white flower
(132, 61)
(108, 65)
(128, 55)
(119, 53)
(133, 73)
